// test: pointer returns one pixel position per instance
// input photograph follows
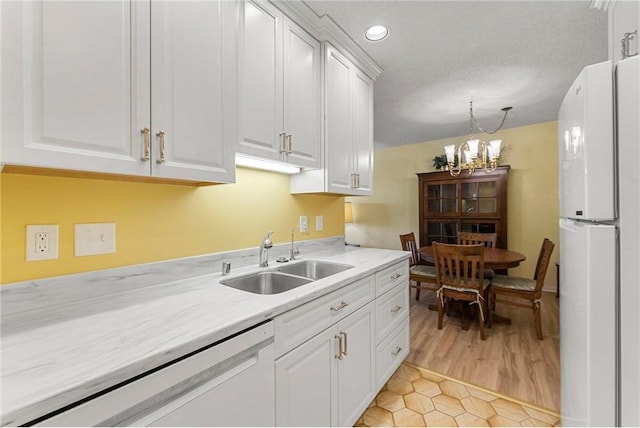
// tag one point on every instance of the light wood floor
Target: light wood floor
(512, 361)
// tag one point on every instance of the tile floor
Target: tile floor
(418, 397)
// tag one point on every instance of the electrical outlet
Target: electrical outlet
(304, 225)
(42, 242)
(319, 223)
(94, 238)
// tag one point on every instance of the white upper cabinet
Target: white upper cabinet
(624, 23)
(99, 86)
(194, 89)
(280, 88)
(348, 144)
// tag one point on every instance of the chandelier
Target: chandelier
(475, 154)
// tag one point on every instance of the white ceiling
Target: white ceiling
(442, 54)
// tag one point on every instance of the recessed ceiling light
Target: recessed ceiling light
(375, 33)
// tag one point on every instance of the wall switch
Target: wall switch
(94, 238)
(319, 223)
(304, 225)
(42, 242)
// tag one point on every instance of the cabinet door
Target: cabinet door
(305, 382)
(356, 370)
(195, 89)
(340, 164)
(363, 131)
(262, 93)
(302, 95)
(73, 86)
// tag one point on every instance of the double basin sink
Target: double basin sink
(286, 277)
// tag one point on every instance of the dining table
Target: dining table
(494, 258)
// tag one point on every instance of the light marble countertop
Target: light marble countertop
(68, 337)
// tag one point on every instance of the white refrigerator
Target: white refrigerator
(599, 159)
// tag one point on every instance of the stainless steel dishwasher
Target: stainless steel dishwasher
(228, 384)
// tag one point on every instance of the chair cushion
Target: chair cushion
(513, 283)
(485, 283)
(423, 270)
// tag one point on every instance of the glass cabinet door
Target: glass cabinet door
(442, 198)
(479, 197)
(445, 231)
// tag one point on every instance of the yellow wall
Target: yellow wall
(153, 221)
(532, 209)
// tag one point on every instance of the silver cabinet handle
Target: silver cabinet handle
(160, 135)
(289, 139)
(283, 146)
(357, 181)
(396, 309)
(396, 276)
(146, 144)
(339, 355)
(397, 351)
(342, 333)
(343, 305)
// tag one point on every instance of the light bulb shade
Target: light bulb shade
(494, 145)
(468, 156)
(348, 213)
(450, 151)
(473, 147)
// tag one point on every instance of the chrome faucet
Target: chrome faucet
(293, 253)
(264, 249)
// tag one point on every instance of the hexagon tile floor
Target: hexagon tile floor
(418, 397)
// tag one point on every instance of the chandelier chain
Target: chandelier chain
(473, 120)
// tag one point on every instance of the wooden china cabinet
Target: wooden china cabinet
(474, 202)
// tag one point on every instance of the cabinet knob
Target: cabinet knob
(396, 309)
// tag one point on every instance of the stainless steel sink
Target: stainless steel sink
(314, 269)
(266, 282)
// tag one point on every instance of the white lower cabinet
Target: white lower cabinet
(329, 380)
(356, 378)
(391, 352)
(335, 353)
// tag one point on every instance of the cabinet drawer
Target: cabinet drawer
(392, 276)
(391, 352)
(391, 309)
(299, 324)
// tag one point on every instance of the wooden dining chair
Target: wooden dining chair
(419, 273)
(489, 240)
(511, 290)
(457, 269)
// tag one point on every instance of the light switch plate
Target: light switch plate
(319, 223)
(94, 238)
(42, 242)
